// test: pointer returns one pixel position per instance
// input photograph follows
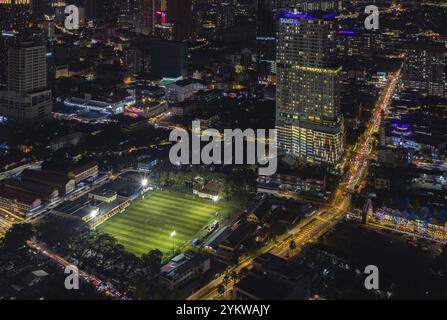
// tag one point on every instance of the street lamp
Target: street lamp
(173, 239)
(144, 183)
(94, 213)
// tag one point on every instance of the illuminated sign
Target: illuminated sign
(288, 21)
(346, 32)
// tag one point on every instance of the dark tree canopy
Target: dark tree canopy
(17, 236)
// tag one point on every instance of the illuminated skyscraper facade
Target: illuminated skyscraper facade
(145, 16)
(27, 97)
(425, 68)
(308, 120)
(15, 15)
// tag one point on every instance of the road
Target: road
(102, 286)
(310, 229)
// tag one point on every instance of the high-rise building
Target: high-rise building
(145, 16)
(39, 8)
(309, 121)
(7, 38)
(266, 38)
(169, 59)
(226, 12)
(91, 9)
(165, 31)
(15, 15)
(108, 10)
(27, 97)
(179, 13)
(159, 58)
(425, 68)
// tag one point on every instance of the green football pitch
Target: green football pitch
(148, 223)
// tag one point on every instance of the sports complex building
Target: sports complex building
(94, 208)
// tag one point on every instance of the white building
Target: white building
(182, 90)
(112, 105)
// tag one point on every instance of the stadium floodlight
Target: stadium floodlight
(144, 182)
(94, 212)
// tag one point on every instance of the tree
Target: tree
(17, 236)
(153, 259)
(239, 185)
(54, 230)
(292, 245)
(243, 273)
(221, 289)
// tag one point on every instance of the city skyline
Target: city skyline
(238, 150)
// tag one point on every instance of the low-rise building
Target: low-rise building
(71, 139)
(254, 287)
(83, 171)
(77, 172)
(184, 108)
(184, 268)
(62, 183)
(18, 202)
(260, 212)
(274, 278)
(209, 190)
(304, 181)
(90, 210)
(111, 105)
(146, 163)
(103, 195)
(182, 90)
(395, 156)
(229, 248)
(37, 190)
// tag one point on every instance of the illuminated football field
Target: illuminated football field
(148, 223)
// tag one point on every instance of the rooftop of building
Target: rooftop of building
(83, 207)
(239, 234)
(52, 178)
(66, 168)
(34, 188)
(184, 82)
(263, 209)
(19, 196)
(181, 263)
(104, 193)
(210, 187)
(271, 263)
(264, 288)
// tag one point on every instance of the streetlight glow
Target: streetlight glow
(94, 212)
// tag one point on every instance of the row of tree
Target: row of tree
(237, 185)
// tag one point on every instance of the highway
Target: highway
(310, 229)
